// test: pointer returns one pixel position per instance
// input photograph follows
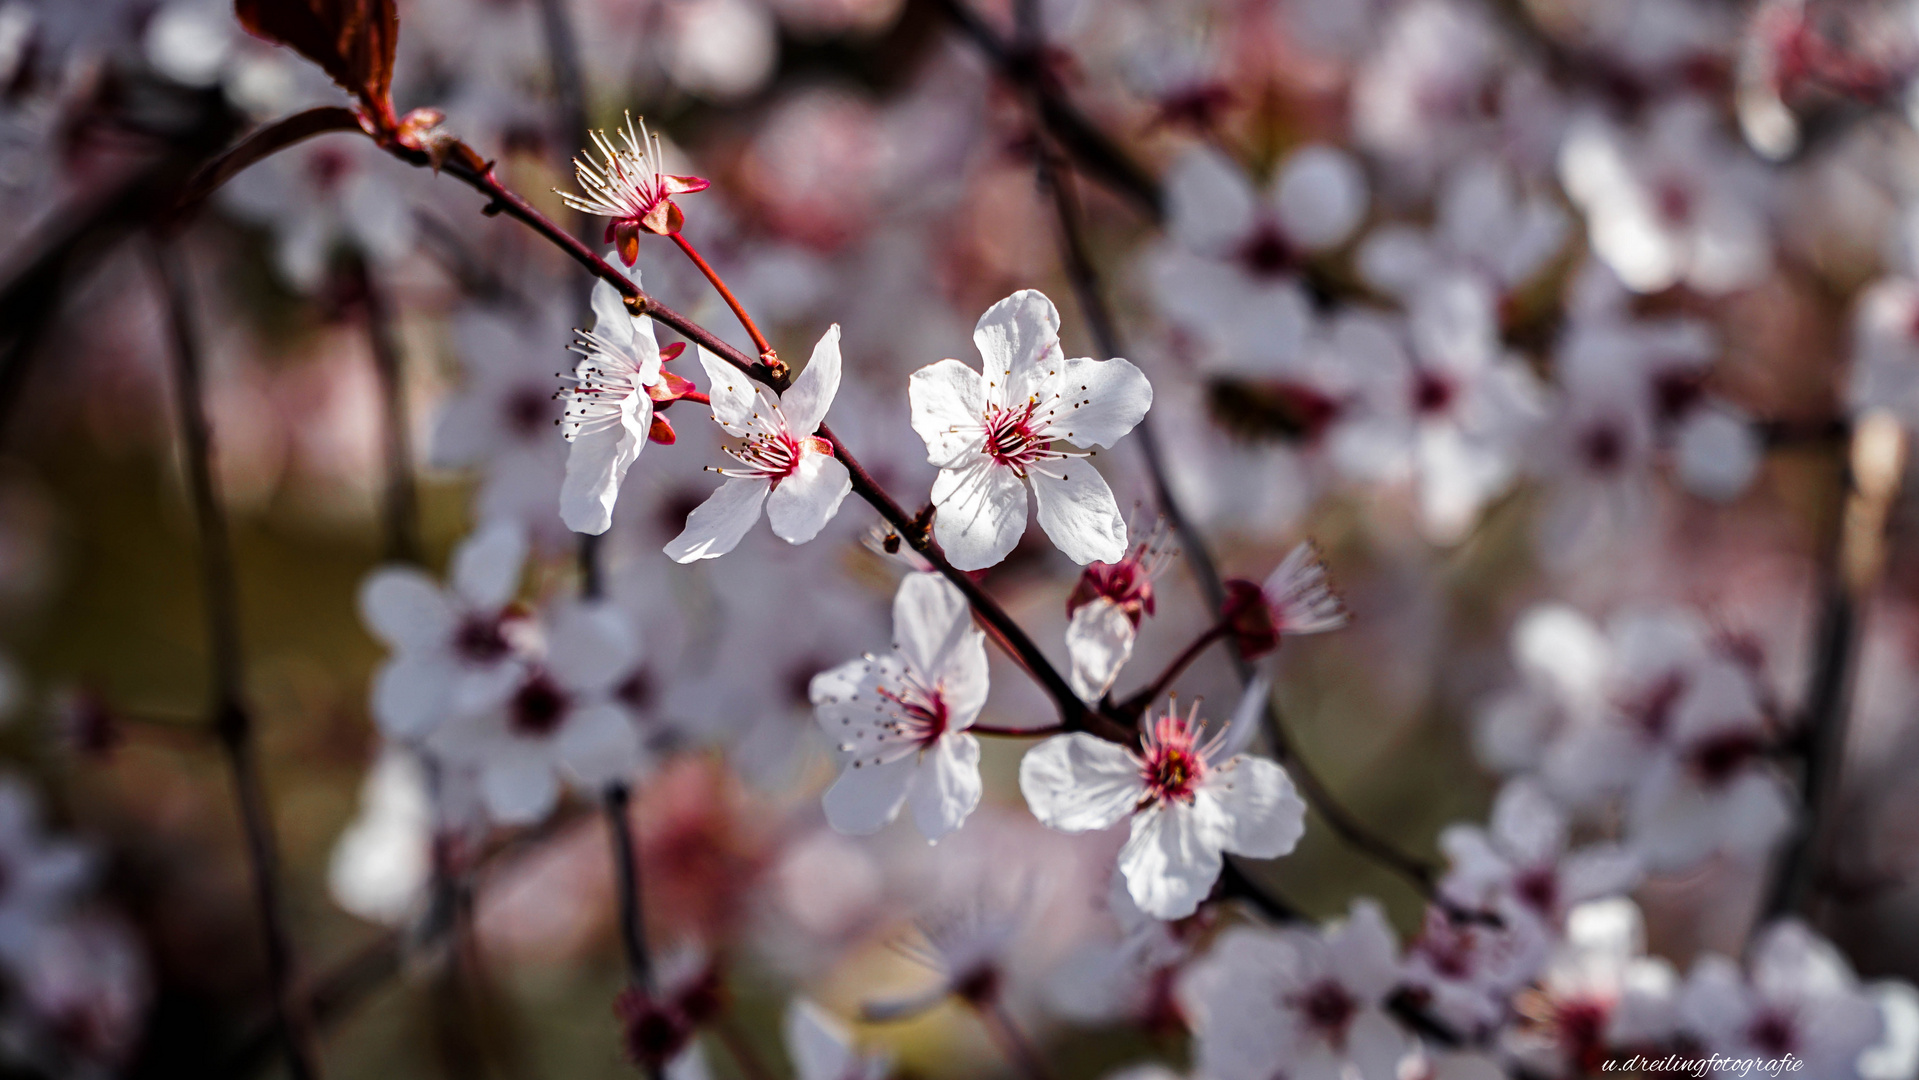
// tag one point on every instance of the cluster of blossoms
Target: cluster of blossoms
(1580, 336)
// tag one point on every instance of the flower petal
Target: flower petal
(1018, 338)
(596, 464)
(716, 525)
(949, 403)
(947, 786)
(590, 645)
(1170, 865)
(1104, 400)
(486, 568)
(1078, 511)
(1320, 196)
(737, 402)
(518, 788)
(982, 513)
(1100, 640)
(405, 608)
(802, 504)
(611, 320)
(933, 624)
(1210, 203)
(866, 797)
(411, 696)
(1258, 813)
(599, 745)
(806, 401)
(1079, 783)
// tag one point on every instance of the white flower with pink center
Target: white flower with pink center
(608, 409)
(993, 433)
(632, 187)
(903, 717)
(781, 464)
(1188, 801)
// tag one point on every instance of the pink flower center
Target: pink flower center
(538, 708)
(1172, 764)
(773, 457)
(1538, 888)
(921, 716)
(1604, 447)
(1329, 1009)
(1774, 1033)
(1432, 393)
(481, 640)
(1013, 438)
(1718, 759)
(1268, 253)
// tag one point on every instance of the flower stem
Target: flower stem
(1135, 705)
(767, 356)
(400, 512)
(617, 803)
(1019, 1050)
(232, 722)
(1016, 732)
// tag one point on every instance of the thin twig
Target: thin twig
(400, 505)
(767, 355)
(232, 721)
(617, 803)
(1013, 1043)
(1136, 704)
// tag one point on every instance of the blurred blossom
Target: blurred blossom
(380, 864)
(319, 196)
(722, 49)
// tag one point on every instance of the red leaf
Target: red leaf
(352, 40)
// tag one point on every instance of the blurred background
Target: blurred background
(1696, 214)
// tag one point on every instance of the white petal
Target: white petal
(611, 320)
(1259, 812)
(1719, 454)
(599, 745)
(867, 796)
(1078, 511)
(806, 401)
(411, 695)
(1169, 864)
(1529, 826)
(1100, 640)
(596, 465)
(716, 525)
(519, 789)
(821, 1047)
(982, 512)
(947, 785)
(1376, 1045)
(486, 568)
(590, 645)
(1210, 204)
(1362, 951)
(804, 502)
(1104, 399)
(933, 624)
(1079, 783)
(405, 608)
(738, 403)
(949, 403)
(1320, 196)
(1018, 339)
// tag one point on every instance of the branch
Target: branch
(1871, 481)
(262, 143)
(232, 722)
(1102, 158)
(400, 514)
(639, 967)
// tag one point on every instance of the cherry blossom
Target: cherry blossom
(1294, 599)
(630, 185)
(561, 719)
(1187, 801)
(456, 650)
(903, 716)
(783, 464)
(609, 409)
(993, 433)
(1678, 203)
(1104, 613)
(1520, 865)
(1600, 992)
(1230, 274)
(1314, 1000)
(1800, 998)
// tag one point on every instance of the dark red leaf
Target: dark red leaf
(352, 40)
